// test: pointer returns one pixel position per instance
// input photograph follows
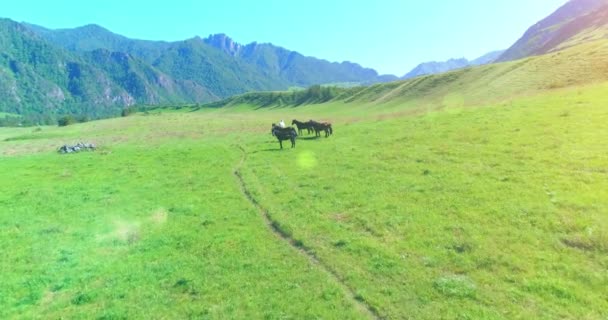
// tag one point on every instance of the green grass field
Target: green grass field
(446, 209)
(156, 230)
(496, 212)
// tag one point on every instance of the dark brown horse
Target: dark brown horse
(322, 126)
(284, 134)
(303, 125)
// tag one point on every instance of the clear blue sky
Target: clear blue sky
(391, 36)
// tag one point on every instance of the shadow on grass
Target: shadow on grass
(308, 138)
(273, 150)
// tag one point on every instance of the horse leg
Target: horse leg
(281, 143)
(293, 142)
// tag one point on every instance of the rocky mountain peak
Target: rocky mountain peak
(224, 43)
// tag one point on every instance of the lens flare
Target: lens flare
(307, 160)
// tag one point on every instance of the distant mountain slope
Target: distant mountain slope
(284, 67)
(36, 76)
(195, 60)
(92, 37)
(452, 64)
(576, 17)
(434, 67)
(487, 58)
(145, 83)
(590, 27)
(300, 70)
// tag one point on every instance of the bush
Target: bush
(66, 120)
(83, 118)
(128, 111)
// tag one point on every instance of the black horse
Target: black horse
(284, 134)
(322, 126)
(303, 125)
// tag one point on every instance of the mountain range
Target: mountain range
(90, 70)
(434, 67)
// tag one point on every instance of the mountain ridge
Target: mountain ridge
(71, 40)
(435, 67)
(545, 36)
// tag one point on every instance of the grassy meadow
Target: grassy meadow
(431, 210)
(495, 212)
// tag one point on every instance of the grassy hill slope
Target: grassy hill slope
(495, 83)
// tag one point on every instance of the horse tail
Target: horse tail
(331, 131)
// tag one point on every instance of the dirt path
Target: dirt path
(273, 226)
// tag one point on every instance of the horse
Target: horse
(303, 125)
(274, 125)
(284, 134)
(322, 126)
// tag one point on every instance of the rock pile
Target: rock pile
(77, 148)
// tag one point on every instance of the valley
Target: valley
(476, 193)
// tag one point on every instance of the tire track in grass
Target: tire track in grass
(358, 301)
